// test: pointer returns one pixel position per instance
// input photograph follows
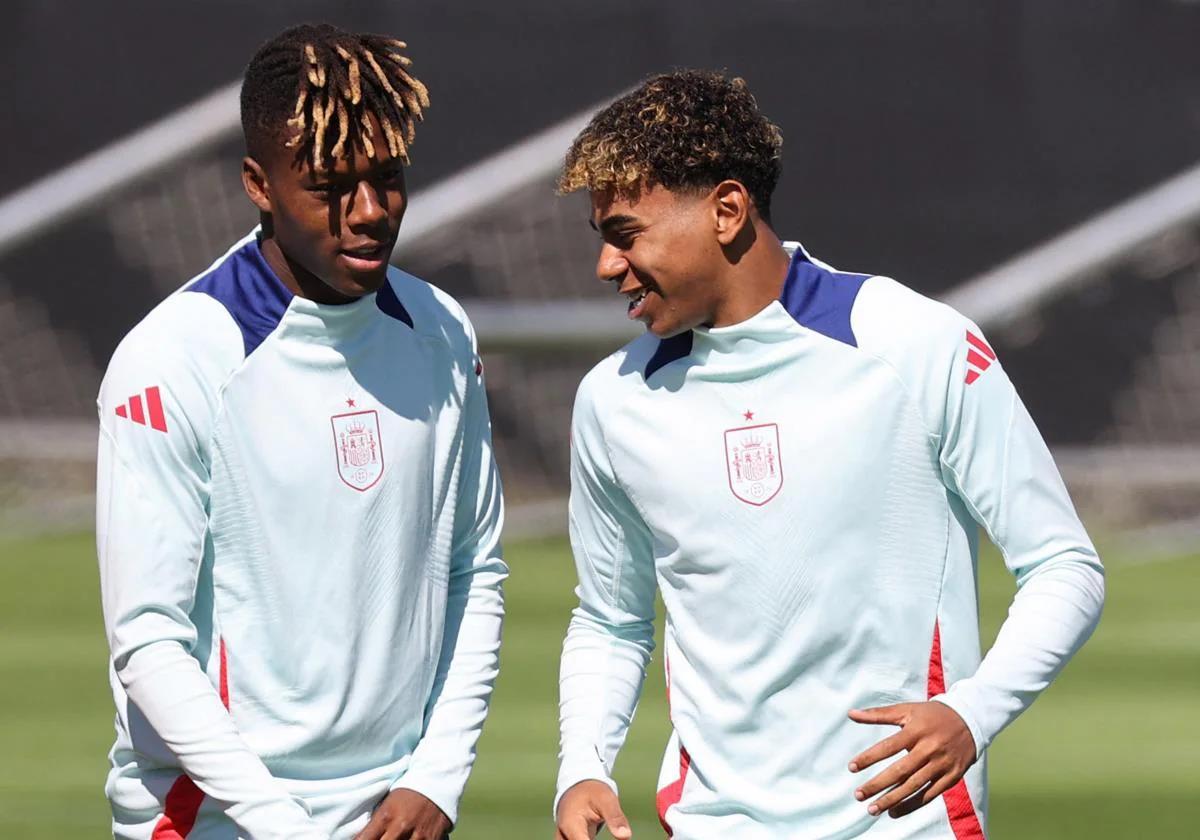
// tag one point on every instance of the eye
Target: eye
(623, 238)
(392, 177)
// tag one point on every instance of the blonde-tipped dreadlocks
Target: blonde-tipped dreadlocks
(335, 82)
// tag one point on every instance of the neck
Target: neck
(299, 281)
(754, 278)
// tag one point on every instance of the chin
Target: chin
(357, 285)
(665, 330)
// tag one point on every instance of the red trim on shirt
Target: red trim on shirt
(224, 679)
(672, 793)
(135, 409)
(158, 420)
(180, 809)
(182, 805)
(981, 345)
(977, 360)
(964, 822)
(937, 677)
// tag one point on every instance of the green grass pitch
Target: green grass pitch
(1111, 750)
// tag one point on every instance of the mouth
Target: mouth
(370, 257)
(637, 302)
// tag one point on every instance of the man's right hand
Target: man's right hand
(588, 806)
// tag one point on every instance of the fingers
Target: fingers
(892, 776)
(374, 829)
(924, 798)
(614, 818)
(939, 748)
(577, 827)
(386, 830)
(909, 786)
(585, 808)
(884, 749)
(897, 714)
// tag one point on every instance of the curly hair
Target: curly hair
(321, 82)
(689, 130)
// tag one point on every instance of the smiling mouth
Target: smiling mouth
(636, 308)
(369, 253)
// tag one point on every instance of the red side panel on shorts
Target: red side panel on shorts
(963, 819)
(672, 793)
(182, 804)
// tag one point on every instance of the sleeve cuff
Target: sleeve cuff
(568, 777)
(436, 790)
(955, 702)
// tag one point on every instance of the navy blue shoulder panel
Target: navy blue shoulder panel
(247, 287)
(669, 350)
(390, 305)
(821, 299)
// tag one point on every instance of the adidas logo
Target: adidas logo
(150, 411)
(979, 357)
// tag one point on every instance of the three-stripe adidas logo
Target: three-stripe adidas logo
(979, 357)
(151, 410)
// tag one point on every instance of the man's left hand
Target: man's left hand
(940, 749)
(406, 815)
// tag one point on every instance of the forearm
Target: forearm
(185, 710)
(600, 680)
(462, 692)
(1053, 614)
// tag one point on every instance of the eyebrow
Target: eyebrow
(610, 222)
(331, 177)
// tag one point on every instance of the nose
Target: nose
(365, 207)
(611, 264)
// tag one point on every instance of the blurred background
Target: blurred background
(1036, 164)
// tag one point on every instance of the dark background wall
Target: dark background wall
(923, 139)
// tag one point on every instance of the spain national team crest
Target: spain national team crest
(752, 459)
(358, 447)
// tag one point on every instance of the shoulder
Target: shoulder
(621, 370)
(166, 375)
(427, 310)
(935, 351)
(184, 349)
(189, 333)
(613, 380)
(905, 327)
(868, 311)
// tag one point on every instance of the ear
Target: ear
(254, 182)
(732, 205)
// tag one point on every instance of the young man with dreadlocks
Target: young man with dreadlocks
(799, 459)
(299, 512)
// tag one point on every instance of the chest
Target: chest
(341, 425)
(820, 457)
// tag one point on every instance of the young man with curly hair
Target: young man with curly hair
(298, 510)
(799, 459)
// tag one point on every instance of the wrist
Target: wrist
(957, 705)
